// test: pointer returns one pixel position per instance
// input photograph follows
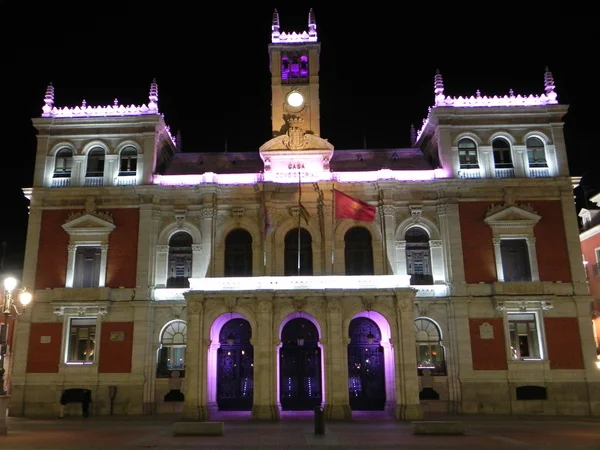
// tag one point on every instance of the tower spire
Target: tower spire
(48, 100)
(312, 23)
(153, 96)
(413, 135)
(549, 86)
(438, 88)
(275, 25)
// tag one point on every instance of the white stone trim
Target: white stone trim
(532, 307)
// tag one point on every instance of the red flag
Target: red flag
(347, 207)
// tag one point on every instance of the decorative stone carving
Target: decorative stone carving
(267, 164)
(403, 304)
(100, 215)
(546, 306)
(441, 209)
(334, 305)
(238, 212)
(177, 310)
(299, 304)
(90, 204)
(265, 306)
(400, 245)
(230, 304)
(325, 163)
(415, 212)
(162, 248)
(494, 209)
(156, 215)
(435, 243)
(194, 307)
(180, 216)
(388, 210)
(368, 303)
(196, 247)
(207, 213)
(400, 216)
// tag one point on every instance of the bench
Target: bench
(438, 427)
(76, 395)
(192, 428)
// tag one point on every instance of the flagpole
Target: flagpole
(383, 233)
(332, 226)
(265, 230)
(299, 216)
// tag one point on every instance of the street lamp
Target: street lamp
(8, 305)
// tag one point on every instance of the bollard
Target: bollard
(319, 420)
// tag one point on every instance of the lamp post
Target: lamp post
(9, 305)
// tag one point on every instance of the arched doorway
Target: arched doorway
(366, 367)
(235, 367)
(300, 366)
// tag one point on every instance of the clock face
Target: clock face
(295, 99)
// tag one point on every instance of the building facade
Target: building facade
(442, 277)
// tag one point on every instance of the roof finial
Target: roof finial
(549, 86)
(312, 23)
(153, 96)
(438, 88)
(413, 135)
(48, 100)
(275, 24)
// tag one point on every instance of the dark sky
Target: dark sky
(212, 68)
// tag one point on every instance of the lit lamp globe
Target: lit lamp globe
(10, 283)
(295, 99)
(25, 298)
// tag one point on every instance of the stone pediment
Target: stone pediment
(285, 142)
(89, 223)
(511, 216)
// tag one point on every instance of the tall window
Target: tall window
(502, 154)
(525, 338)
(298, 249)
(238, 254)
(536, 153)
(430, 353)
(467, 154)
(294, 67)
(358, 252)
(95, 163)
(81, 343)
(171, 355)
(63, 164)
(128, 161)
(515, 260)
(87, 267)
(418, 258)
(180, 260)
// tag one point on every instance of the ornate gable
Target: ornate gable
(89, 226)
(517, 217)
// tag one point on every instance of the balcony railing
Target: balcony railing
(61, 182)
(539, 172)
(505, 173)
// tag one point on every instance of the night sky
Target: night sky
(212, 69)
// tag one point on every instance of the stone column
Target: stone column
(161, 266)
(103, 262)
(207, 222)
(401, 268)
(111, 170)
(573, 242)
(265, 363)
(449, 221)
(459, 359)
(337, 402)
(78, 170)
(520, 162)
(437, 261)
(71, 249)
(143, 364)
(195, 403)
(403, 337)
(389, 215)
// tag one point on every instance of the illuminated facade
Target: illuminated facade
(248, 279)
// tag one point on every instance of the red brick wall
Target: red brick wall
(44, 358)
(563, 343)
(121, 266)
(588, 249)
(478, 249)
(51, 269)
(122, 249)
(115, 355)
(488, 354)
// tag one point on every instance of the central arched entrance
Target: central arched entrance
(235, 367)
(300, 366)
(366, 368)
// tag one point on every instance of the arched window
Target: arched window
(238, 254)
(536, 152)
(298, 249)
(418, 257)
(63, 163)
(430, 353)
(358, 252)
(128, 161)
(502, 154)
(95, 163)
(180, 260)
(467, 154)
(171, 355)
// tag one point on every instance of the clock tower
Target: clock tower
(294, 77)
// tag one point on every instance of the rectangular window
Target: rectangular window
(515, 260)
(81, 342)
(87, 267)
(525, 337)
(468, 159)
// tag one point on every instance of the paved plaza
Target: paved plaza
(151, 432)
